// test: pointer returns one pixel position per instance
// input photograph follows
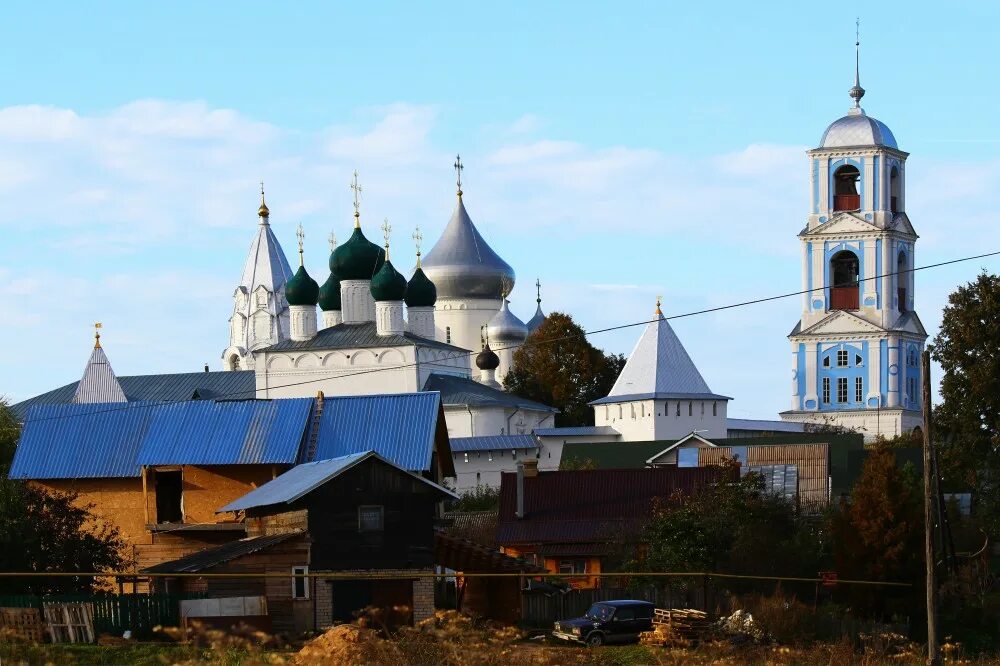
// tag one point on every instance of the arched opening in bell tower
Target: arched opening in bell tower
(234, 363)
(845, 188)
(895, 190)
(844, 281)
(901, 280)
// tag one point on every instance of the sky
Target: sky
(615, 151)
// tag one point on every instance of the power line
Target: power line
(547, 341)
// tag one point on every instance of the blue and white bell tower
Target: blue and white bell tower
(856, 349)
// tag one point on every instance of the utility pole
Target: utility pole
(933, 650)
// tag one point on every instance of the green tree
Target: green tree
(559, 367)
(10, 430)
(878, 533)
(967, 422)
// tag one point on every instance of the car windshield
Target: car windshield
(599, 612)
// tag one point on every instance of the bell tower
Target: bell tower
(856, 347)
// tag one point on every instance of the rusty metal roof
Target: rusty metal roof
(213, 557)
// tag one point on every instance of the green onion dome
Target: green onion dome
(301, 289)
(329, 294)
(357, 259)
(388, 284)
(420, 291)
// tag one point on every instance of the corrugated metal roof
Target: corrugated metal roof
(493, 443)
(98, 383)
(303, 479)
(590, 505)
(358, 336)
(211, 557)
(72, 441)
(238, 385)
(464, 391)
(577, 431)
(399, 427)
(659, 367)
(204, 432)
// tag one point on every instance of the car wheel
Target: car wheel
(595, 640)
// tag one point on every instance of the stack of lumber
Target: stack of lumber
(676, 626)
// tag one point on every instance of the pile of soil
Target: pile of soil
(343, 644)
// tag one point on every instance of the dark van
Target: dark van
(618, 621)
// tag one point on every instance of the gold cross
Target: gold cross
(386, 230)
(458, 171)
(357, 200)
(97, 333)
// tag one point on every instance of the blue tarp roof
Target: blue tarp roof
(206, 432)
(398, 427)
(108, 440)
(305, 478)
(493, 443)
(82, 441)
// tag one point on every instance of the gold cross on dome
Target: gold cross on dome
(357, 199)
(301, 235)
(458, 171)
(386, 230)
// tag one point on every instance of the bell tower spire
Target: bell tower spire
(857, 92)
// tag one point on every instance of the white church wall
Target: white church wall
(645, 420)
(484, 421)
(460, 321)
(336, 372)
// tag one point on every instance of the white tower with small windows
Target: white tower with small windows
(856, 348)
(260, 311)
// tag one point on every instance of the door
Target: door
(349, 597)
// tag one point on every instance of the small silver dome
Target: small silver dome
(857, 129)
(537, 320)
(462, 265)
(505, 326)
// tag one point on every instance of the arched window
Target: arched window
(845, 188)
(234, 362)
(901, 280)
(844, 276)
(895, 190)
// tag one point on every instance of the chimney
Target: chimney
(520, 490)
(206, 367)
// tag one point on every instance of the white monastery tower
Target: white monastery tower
(260, 312)
(856, 349)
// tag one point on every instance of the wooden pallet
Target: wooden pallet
(676, 627)
(23, 623)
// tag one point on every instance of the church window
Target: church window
(841, 389)
(447, 334)
(702, 409)
(642, 409)
(715, 409)
(859, 389)
(466, 456)
(845, 192)
(690, 409)
(842, 358)
(678, 408)
(826, 389)
(489, 456)
(858, 361)
(632, 407)
(513, 453)
(234, 362)
(901, 281)
(826, 361)
(895, 191)
(620, 411)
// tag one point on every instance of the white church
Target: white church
(449, 328)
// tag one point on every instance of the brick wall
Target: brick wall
(323, 594)
(421, 601)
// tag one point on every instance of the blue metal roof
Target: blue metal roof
(493, 443)
(303, 479)
(75, 441)
(205, 432)
(398, 427)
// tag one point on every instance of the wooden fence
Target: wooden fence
(113, 614)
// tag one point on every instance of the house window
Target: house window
(859, 389)
(841, 389)
(570, 567)
(371, 518)
(447, 334)
(300, 582)
(169, 496)
(842, 358)
(826, 389)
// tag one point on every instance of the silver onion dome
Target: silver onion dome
(857, 129)
(505, 326)
(462, 265)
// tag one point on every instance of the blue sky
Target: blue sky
(615, 151)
